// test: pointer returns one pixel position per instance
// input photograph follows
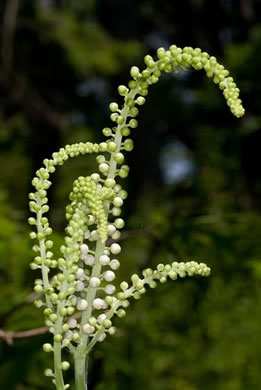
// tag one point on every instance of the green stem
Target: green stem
(80, 355)
(58, 366)
(80, 369)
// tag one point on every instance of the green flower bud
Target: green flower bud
(122, 90)
(47, 347)
(58, 338)
(121, 313)
(135, 72)
(119, 158)
(65, 365)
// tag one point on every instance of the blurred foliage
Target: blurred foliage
(61, 62)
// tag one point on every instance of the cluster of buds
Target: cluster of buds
(80, 296)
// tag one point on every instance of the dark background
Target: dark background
(194, 185)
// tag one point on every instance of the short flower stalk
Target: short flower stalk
(77, 290)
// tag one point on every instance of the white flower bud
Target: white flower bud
(117, 201)
(112, 330)
(94, 235)
(79, 286)
(104, 260)
(119, 223)
(101, 318)
(68, 335)
(114, 264)
(109, 289)
(109, 276)
(116, 235)
(99, 304)
(84, 249)
(80, 273)
(82, 304)
(111, 229)
(72, 323)
(94, 282)
(87, 234)
(95, 177)
(91, 219)
(89, 260)
(102, 337)
(88, 329)
(83, 256)
(115, 248)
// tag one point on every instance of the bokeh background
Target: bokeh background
(194, 188)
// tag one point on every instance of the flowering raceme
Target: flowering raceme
(80, 299)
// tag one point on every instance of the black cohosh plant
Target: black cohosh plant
(79, 298)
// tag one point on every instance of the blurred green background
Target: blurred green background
(194, 188)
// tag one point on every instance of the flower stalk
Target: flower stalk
(81, 299)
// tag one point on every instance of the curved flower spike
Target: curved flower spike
(80, 298)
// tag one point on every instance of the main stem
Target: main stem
(80, 356)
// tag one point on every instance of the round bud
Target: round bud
(115, 248)
(47, 347)
(65, 365)
(95, 177)
(111, 228)
(133, 123)
(88, 329)
(72, 323)
(82, 304)
(109, 183)
(107, 323)
(107, 132)
(140, 100)
(121, 313)
(112, 330)
(125, 131)
(109, 289)
(109, 276)
(112, 146)
(94, 282)
(114, 264)
(122, 90)
(102, 337)
(134, 72)
(98, 304)
(119, 223)
(58, 338)
(117, 201)
(101, 318)
(104, 260)
(84, 249)
(124, 286)
(103, 167)
(119, 158)
(114, 107)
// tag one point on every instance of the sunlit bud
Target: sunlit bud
(102, 337)
(115, 248)
(109, 276)
(82, 304)
(94, 282)
(114, 264)
(72, 323)
(109, 289)
(84, 249)
(104, 260)
(89, 260)
(101, 318)
(99, 304)
(88, 329)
